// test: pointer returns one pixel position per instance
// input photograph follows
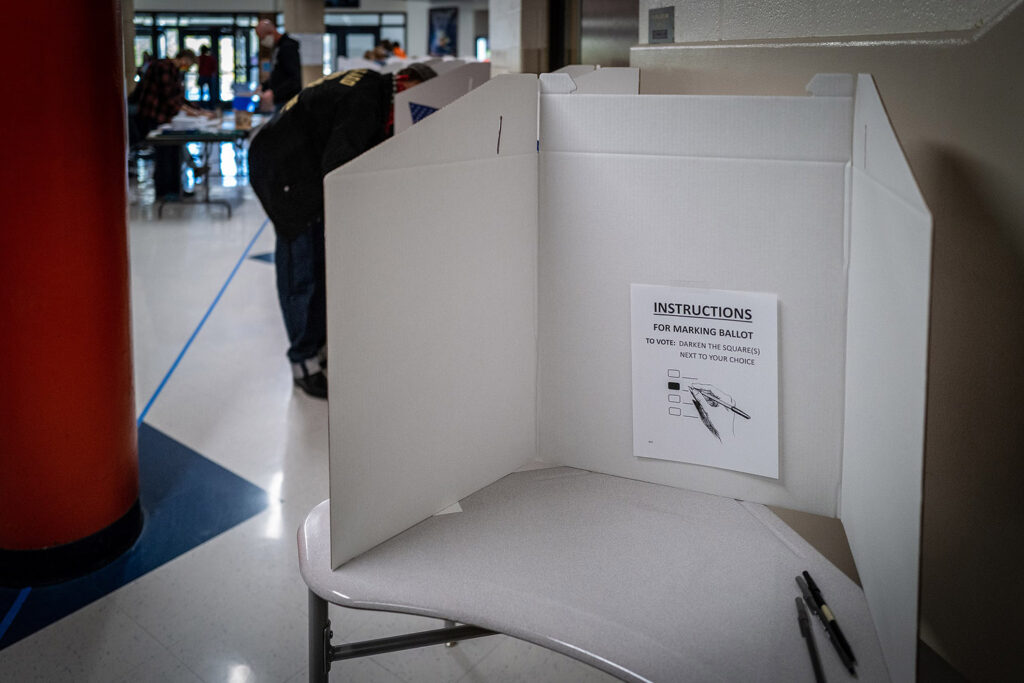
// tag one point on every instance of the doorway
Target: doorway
(354, 41)
(231, 39)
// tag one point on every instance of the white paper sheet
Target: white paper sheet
(705, 377)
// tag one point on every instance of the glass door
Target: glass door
(246, 60)
(194, 90)
(143, 47)
(231, 38)
(358, 41)
(353, 40)
(225, 76)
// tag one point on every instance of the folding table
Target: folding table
(642, 581)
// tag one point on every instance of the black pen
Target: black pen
(815, 607)
(831, 618)
(805, 631)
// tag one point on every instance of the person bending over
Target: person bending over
(330, 122)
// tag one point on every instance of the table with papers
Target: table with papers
(184, 129)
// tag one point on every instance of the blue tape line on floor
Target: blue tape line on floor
(13, 611)
(174, 365)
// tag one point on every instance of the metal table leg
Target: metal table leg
(322, 652)
(319, 639)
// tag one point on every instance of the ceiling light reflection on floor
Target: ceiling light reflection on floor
(239, 673)
(275, 521)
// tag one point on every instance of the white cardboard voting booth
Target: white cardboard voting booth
(479, 304)
(452, 82)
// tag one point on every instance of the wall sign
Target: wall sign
(661, 25)
(705, 377)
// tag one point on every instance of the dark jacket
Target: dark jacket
(286, 70)
(332, 121)
(160, 93)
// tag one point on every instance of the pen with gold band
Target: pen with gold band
(829, 617)
(823, 613)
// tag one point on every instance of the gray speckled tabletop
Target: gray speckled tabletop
(645, 582)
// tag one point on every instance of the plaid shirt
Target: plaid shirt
(163, 91)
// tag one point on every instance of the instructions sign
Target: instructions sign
(705, 377)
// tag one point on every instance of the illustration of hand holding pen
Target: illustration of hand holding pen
(706, 396)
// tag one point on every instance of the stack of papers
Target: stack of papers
(183, 121)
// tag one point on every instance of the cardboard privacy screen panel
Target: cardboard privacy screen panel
(479, 277)
(431, 313)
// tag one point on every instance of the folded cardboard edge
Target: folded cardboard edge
(886, 375)
(792, 128)
(496, 119)
(616, 80)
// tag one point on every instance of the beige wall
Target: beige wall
(305, 16)
(127, 14)
(519, 36)
(705, 20)
(957, 105)
(505, 29)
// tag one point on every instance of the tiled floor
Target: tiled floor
(234, 608)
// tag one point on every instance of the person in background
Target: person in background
(285, 80)
(207, 72)
(147, 59)
(160, 96)
(378, 54)
(333, 120)
(397, 51)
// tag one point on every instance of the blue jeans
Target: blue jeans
(206, 89)
(302, 291)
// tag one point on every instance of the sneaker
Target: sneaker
(314, 385)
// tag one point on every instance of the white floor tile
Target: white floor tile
(354, 671)
(177, 269)
(240, 580)
(161, 668)
(264, 649)
(96, 643)
(40, 658)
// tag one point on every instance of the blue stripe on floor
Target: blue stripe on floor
(187, 500)
(12, 612)
(216, 299)
(266, 257)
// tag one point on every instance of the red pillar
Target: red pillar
(68, 453)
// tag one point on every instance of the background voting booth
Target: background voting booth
(483, 323)
(454, 79)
